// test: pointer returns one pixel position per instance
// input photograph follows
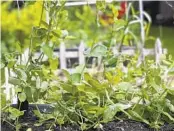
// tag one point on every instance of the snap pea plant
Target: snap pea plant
(142, 93)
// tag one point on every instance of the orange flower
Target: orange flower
(122, 11)
(108, 19)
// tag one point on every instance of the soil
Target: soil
(29, 120)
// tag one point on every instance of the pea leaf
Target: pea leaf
(136, 116)
(44, 86)
(53, 63)
(110, 112)
(47, 50)
(21, 74)
(76, 78)
(98, 50)
(66, 73)
(14, 81)
(15, 113)
(101, 5)
(124, 86)
(22, 97)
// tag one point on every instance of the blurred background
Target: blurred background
(17, 21)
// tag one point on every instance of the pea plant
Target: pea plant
(142, 93)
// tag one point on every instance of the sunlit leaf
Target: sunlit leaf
(47, 50)
(76, 77)
(22, 97)
(98, 50)
(111, 111)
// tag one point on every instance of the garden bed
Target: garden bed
(29, 120)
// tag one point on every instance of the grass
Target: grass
(167, 38)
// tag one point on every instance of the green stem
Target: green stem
(53, 122)
(17, 119)
(9, 123)
(122, 40)
(41, 14)
(30, 48)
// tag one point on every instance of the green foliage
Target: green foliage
(86, 99)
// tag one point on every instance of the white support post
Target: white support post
(99, 60)
(81, 54)
(7, 87)
(62, 56)
(158, 51)
(142, 21)
(25, 56)
(141, 46)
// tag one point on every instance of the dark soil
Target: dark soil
(29, 120)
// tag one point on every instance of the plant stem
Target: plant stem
(122, 40)
(41, 14)
(30, 48)
(9, 123)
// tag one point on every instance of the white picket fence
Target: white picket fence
(63, 54)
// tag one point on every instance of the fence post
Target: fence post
(25, 56)
(99, 60)
(81, 54)
(7, 84)
(158, 51)
(62, 56)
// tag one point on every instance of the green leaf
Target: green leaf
(83, 126)
(2, 76)
(37, 113)
(168, 115)
(14, 81)
(18, 47)
(3, 99)
(111, 111)
(95, 83)
(98, 50)
(30, 93)
(111, 61)
(21, 74)
(47, 50)
(76, 78)
(29, 129)
(22, 97)
(15, 113)
(18, 89)
(45, 24)
(39, 32)
(66, 73)
(101, 5)
(60, 121)
(80, 87)
(69, 37)
(69, 88)
(136, 116)
(53, 63)
(80, 68)
(11, 63)
(44, 86)
(87, 76)
(124, 86)
(170, 105)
